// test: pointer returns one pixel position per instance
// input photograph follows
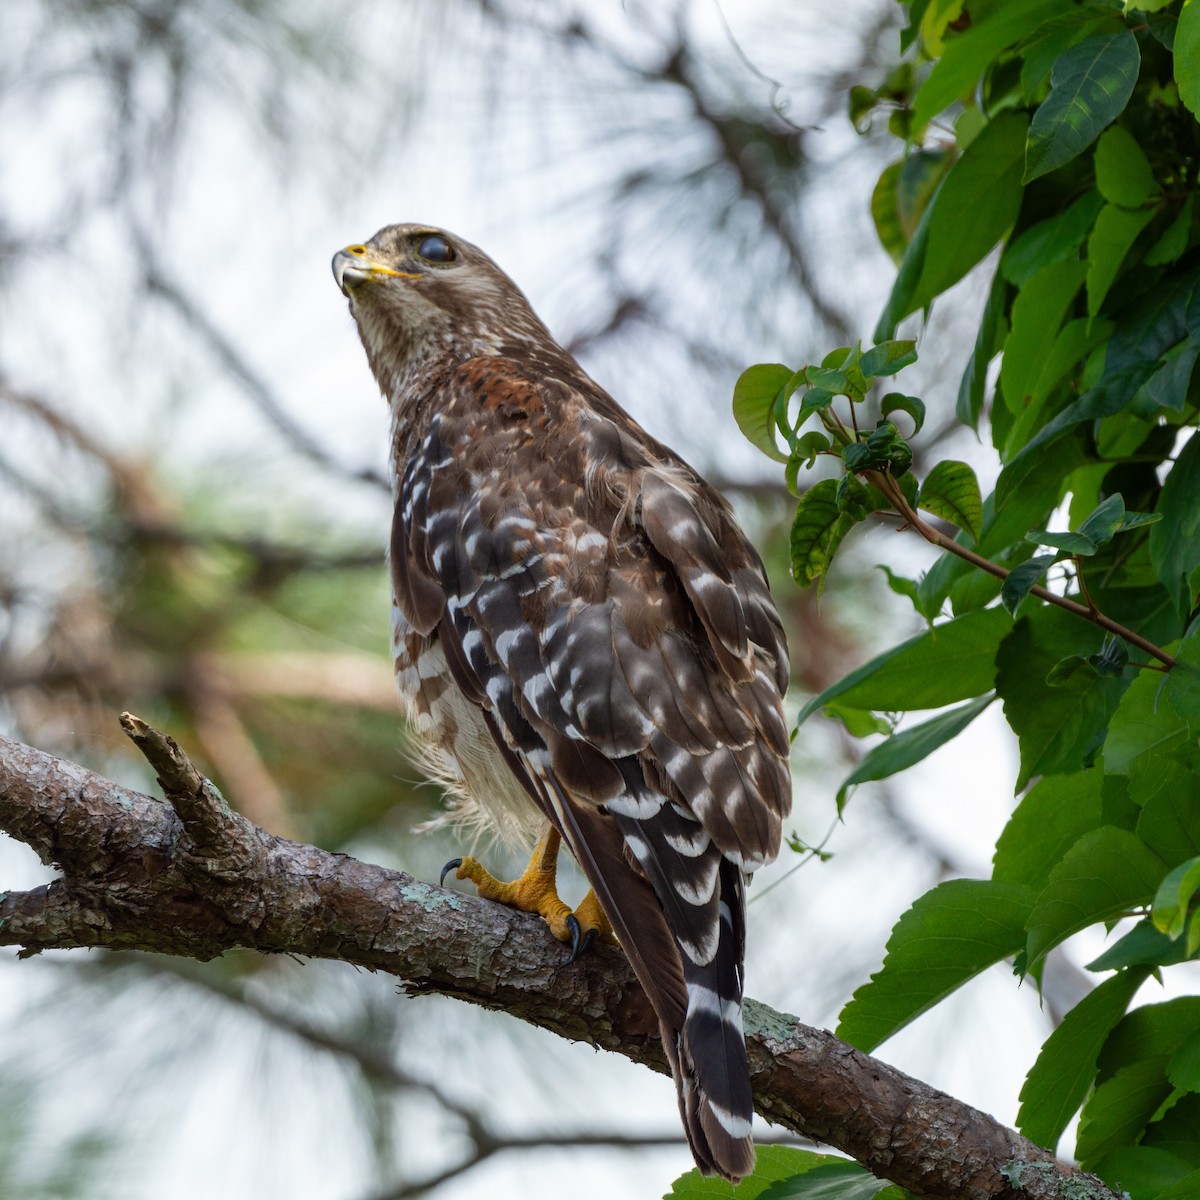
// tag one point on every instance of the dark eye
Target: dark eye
(436, 250)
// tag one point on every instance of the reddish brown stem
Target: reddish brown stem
(888, 486)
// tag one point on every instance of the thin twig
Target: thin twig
(886, 484)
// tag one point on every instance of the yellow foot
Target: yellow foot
(536, 892)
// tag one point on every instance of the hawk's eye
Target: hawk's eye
(436, 250)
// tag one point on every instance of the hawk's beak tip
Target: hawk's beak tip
(341, 264)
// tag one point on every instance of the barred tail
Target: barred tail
(713, 1077)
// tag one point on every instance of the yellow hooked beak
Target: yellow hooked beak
(353, 266)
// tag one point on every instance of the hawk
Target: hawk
(585, 640)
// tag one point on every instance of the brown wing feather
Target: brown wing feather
(616, 628)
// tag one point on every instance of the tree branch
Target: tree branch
(193, 878)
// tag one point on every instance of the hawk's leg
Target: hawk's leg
(536, 891)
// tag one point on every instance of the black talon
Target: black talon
(452, 865)
(580, 942)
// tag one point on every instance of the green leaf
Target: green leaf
(951, 491)
(1051, 817)
(1145, 1172)
(1187, 1188)
(902, 195)
(992, 331)
(1183, 1069)
(773, 1163)
(985, 182)
(1097, 529)
(948, 936)
(754, 405)
(1175, 541)
(1089, 87)
(1170, 385)
(1172, 901)
(1150, 1031)
(1123, 174)
(859, 722)
(1066, 1065)
(817, 531)
(952, 661)
(1037, 314)
(888, 357)
(903, 586)
(1119, 1109)
(1175, 240)
(1115, 231)
(1105, 873)
(1187, 55)
(1142, 945)
(1051, 450)
(898, 402)
(839, 1180)
(1177, 1131)
(1143, 731)
(1183, 682)
(1056, 239)
(1022, 579)
(1109, 518)
(902, 750)
(1168, 792)
(968, 55)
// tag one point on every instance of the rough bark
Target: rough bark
(190, 877)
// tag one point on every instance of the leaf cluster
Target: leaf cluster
(1055, 147)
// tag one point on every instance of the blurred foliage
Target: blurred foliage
(1067, 136)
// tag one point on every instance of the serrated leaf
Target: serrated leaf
(951, 491)
(1123, 174)
(817, 531)
(1105, 873)
(946, 938)
(1172, 901)
(952, 661)
(1051, 817)
(754, 405)
(1187, 55)
(1143, 731)
(1183, 682)
(888, 357)
(908, 747)
(1066, 1065)
(1115, 231)
(1022, 579)
(1119, 1109)
(1059, 729)
(1090, 85)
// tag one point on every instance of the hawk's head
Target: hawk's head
(420, 293)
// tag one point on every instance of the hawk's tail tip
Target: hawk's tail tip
(726, 1141)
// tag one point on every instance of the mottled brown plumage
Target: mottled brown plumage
(584, 637)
